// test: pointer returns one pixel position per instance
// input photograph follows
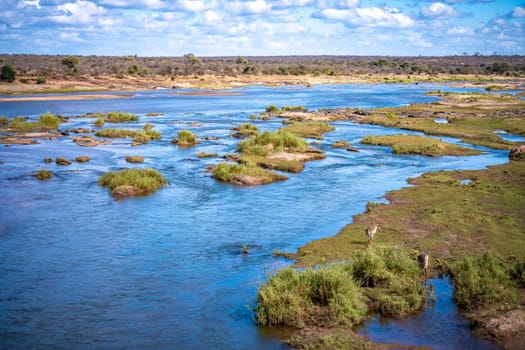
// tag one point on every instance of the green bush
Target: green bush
(41, 80)
(99, 122)
(269, 142)
(482, 280)
(4, 121)
(121, 117)
(8, 73)
(272, 109)
(144, 181)
(328, 295)
(49, 121)
(247, 129)
(185, 138)
(22, 125)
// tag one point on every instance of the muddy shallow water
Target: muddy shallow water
(82, 270)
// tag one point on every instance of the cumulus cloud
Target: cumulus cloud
(519, 12)
(460, 31)
(367, 17)
(211, 18)
(134, 4)
(248, 7)
(79, 12)
(439, 10)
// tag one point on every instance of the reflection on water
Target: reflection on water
(81, 270)
(439, 326)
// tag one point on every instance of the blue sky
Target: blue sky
(262, 27)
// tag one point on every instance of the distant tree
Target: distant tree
(133, 69)
(190, 62)
(8, 73)
(241, 60)
(499, 68)
(71, 64)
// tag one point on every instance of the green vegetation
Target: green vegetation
(99, 122)
(4, 121)
(282, 164)
(132, 182)
(377, 279)
(49, 121)
(7, 73)
(247, 129)
(426, 146)
(206, 155)
(71, 64)
(117, 133)
(270, 142)
(21, 124)
(309, 129)
(41, 80)
(482, 281)
(121, 117)
(185, 138)
(340, 144)
(338, 340)
(245, 174)
(43, 174)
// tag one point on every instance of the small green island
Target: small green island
(132, 182)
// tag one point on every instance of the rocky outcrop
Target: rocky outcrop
(517, 153)
(62, 161)
(89, 141)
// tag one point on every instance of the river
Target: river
(80, 270)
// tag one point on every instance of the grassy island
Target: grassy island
(425, 146)
(132, 182)
(185, 138)
(245, 174)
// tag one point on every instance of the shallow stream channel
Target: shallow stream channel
(81, 270)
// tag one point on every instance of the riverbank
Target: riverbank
(449, 215)
(86, 83)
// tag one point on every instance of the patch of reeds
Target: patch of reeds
(309, 129)
(270, 142)
(245, 174)
(327, 296)
(121, 117)
(99, 122)
(482, 280)
(117, 133)
(21, 124)
(135, 181)
(247, 129)
(49, 121)
(185, 138)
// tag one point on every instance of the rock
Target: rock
(48, 160)
(16, 141)
(127, 191)
(82, 159)
(62, 161)
(89, 141)
(517, 153)
(352, 149)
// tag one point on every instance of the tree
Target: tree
(190, 62)
(241, 60)
(71, 63)
(8, 73)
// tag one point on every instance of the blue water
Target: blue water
(80, 270)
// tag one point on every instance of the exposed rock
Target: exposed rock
(517, 153)
(352, 149)
(7, 140)
(127, 191)
(62, 161)
(82, 159)
(48, 160)
(89, 141)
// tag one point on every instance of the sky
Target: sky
(262, 27)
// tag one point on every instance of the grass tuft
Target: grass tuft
(185, 138)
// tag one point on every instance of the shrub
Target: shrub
(4, 121)
(482, 280)
(132, 182)
(185, 138)
(41, 80)
(99, 122)
(276, 141)
(272, 109)
(49, 121)
(20, 124)
(247, 129)
(120, 117)
(327, 295)
(8, 73)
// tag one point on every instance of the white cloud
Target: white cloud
(79, 12)
(368, 17)
(439, 10)
(211, 18)
(519, 12)
(248, 7)
(141, 4)
(196, 5)
(27, 3)
(339, 4)
(71, 36)
(456, 30)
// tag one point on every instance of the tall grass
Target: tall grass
(121, 117)
(269, 142)
(144, 180)
(247, 129)
(49, 121)
(185, 138)
(327, 296)
(22, 125)
(482, 280)
(117, 133)
(247, 174)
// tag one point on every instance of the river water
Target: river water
(80, 270)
